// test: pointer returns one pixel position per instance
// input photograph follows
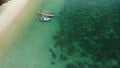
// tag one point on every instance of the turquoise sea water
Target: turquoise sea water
(83, 34)
(32, 49)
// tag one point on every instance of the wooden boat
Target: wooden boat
(45, 14)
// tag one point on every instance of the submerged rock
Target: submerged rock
(70, 65)
(81, 64)
(63, 57)
(53, 62)
(52, 53)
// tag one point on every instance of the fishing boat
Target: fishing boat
(46, 14)
(43, 18)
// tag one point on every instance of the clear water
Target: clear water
(83, 34)
(32, 49)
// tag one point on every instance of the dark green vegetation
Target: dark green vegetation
(90, 34)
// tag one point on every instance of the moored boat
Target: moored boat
(46, 14)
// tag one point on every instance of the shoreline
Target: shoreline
(17, 26)
(9, 17)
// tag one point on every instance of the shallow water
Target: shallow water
(32, 49)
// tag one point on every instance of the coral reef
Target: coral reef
(90, 33)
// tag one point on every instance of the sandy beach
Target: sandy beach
(15, 18)
(9, 12)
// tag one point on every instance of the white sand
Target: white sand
(9, 11)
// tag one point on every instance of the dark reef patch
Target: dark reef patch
(63, 57)
(52, 53)
(90, 29)
(70, 65)
(53, 62)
